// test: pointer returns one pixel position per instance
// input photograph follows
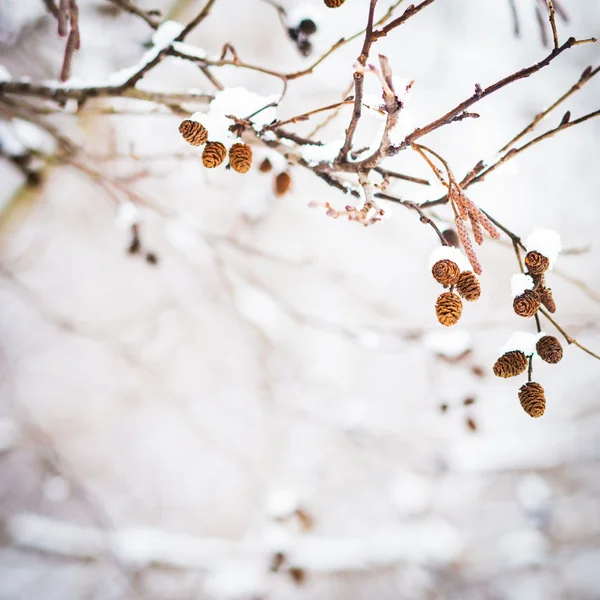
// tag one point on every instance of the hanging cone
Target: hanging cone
(213, 155)
(445, 272)
(193, 133)
(536, 263)
(527, 304)
(549, 349)
(283, 182)
(532, 399)
(240, 157)
(548, 300)
(468, 286)
(448, 309)
(265, 166)
(511, 364)
(334, 3)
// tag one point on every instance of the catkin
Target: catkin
(536, 263)
(549, 349)
(334, 3)
(240, 157)
(468, 286)
(445, 272)
(448, 309)
(527, 304)
(193, 133)
(532, 399)
(511, 364)
(213, 155)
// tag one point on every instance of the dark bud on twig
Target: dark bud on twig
(586, 73)
(451, 237)
(151, 258)
(213, 155)
(566, 118)
(445, 272)
(527, 304)
(548, 300)
(283, 182)
(307, 26)
(532, 399)
(265, 166)
(549, 349)
(240, 157)
(193, 133)
(536, 263)
(511, 364)
(468, 286)
(471, 424)
(448, 309)
(298, 575)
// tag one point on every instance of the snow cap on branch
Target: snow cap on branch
(450, 253)
(525, 342)
(519, 283)
(546, 242)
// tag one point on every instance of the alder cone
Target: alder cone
(334, 3)
(193, 133)
(532, 399)
(213, 155)
(536, 263)
(265, 166)
(468, 286)
(548, 300)
(448, 309)
(527, 304)
(511, 364)
(446, 272)
(240, 157)
(549, 349)
(283, 182)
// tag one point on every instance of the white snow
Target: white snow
(281, 502)
(5, 74)
(546, 242)
(9, 142)
(217, 127)
(57, 489)
(523, 341)
(9, 434)
(451, 253)
(241, 103)
(128, 215)
(411, 493)
(534, 493)
(520, 282)
(451, 343)
(166, 33)
(190, 50)
(314, 154)
(298, 13)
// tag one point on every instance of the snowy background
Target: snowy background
(271, 391)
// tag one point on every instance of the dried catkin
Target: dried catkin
(532, 399)
(193, 133)
(527, 304)
(549, 349)
(548, 300)
(334, 3)
(536, 263)
(213, 155)
(265, 166)
(283, 182)
(468, 286)
(445, 272)
(511, 364)
(240, 157)
(448, 309)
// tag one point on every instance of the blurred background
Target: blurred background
(267, 408)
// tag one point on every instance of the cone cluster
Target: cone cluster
(528, 303)
(448, 307)
(334, 3)
(532, 399)
(215, 153)
(511, 364)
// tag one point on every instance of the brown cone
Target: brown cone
(532, 399)
(265, 166)
(334, 3)
(549, 349)
(536, 263)
(240, 157)
(193, 133)
(448, 309)
(548, 300)
(283, 182)
(446, 272)
(468, 286)
(213, 155)
(511, 364)
(527, 304)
